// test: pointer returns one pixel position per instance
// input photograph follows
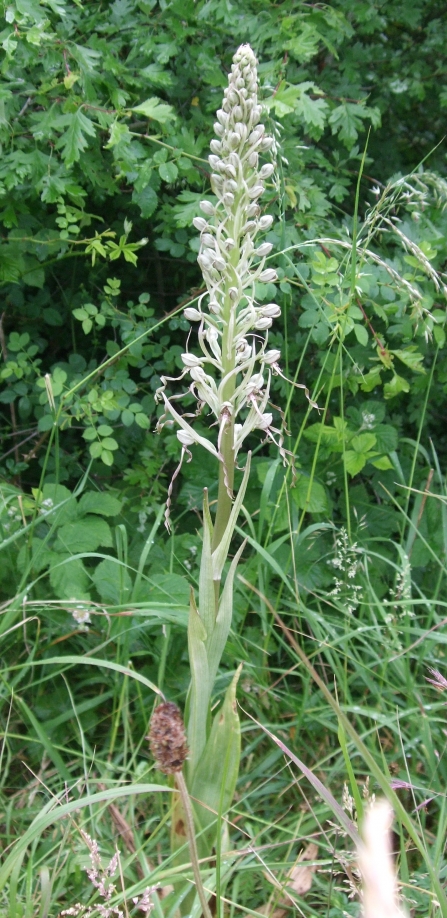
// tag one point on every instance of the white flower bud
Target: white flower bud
(190, 360)
(271, 357)
(234, 140)
(200, 224)
(265, 222)
(193, 315)
(263, 323)
(268, 276)
(214, 307)
(264, 249)
(229, 244)
(249, 227)
(206, 258)
(256, 191)
(231, 185)
(233, 293)
(198, 375)
(228, 199)
(214, 161)
(253, 210)
(222, 117)
(237, 113)
(266, 171)
(218, 129)
(230, 171)
(185, 438)
(256, 135)
(253, 160)
(272, 311)
(207, 208)
(220, 264)
(241, 130)
(255, 384)
(209, 240)
(266, 144)
(216, 146)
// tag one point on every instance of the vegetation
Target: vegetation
(335, 585)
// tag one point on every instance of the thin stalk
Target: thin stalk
(191, 836)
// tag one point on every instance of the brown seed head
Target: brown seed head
(167, 738)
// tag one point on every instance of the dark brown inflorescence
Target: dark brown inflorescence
(167, 738)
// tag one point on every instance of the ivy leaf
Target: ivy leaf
(156, 110)
(74, 141)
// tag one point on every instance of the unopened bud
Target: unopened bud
(200, 224)
(265, 222)
(207, 208)
(185, 438)
(193, 315)
(268, 276)
(190, 360)
(271, 357)
(272, 311)
(263, 324)
(264, 249)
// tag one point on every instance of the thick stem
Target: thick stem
(191, 836)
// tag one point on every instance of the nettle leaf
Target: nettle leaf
(100, 502)
(74, 141)
(155, 109)
(84, 535)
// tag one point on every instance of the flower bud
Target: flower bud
(200, 224)
(265, 222)
(271, 357)
(190, 360)
(214, 307)
(214, 161)
(256, 191)
(218, 129)
(216, 146)
(233, 293)
(271, 310)
(185, 438)
(253, 160)
(207, 208)
(228, 199)
(208, 239)
(249, 227)
(265, 421)
(263, 323)
(222, 117)
(263, 249)
(193, 315)
(266, 144)
(268, 276)
(266, 171)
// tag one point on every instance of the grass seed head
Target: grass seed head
(167, 738)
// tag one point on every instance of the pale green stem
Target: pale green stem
(191, 836)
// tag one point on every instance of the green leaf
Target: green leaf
(146, 199)
(155, 109)
(214, 780)
(397, 385)
(354, 461)
(112, 581)
(74, 141)
(310, 496)
(69, 578)
(168, 172)
(361, 334)
(142, 420)
(100, 502)
(84, 535)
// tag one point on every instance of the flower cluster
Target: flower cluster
(347, 562)
(233, 332)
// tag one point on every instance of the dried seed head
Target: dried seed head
(167, 738)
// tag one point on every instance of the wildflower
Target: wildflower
(233, 331)
(81, 616)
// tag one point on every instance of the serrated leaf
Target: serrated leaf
(397, 385)
(155, 109)
(84, 535)
(354, 462)
(74, 141)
